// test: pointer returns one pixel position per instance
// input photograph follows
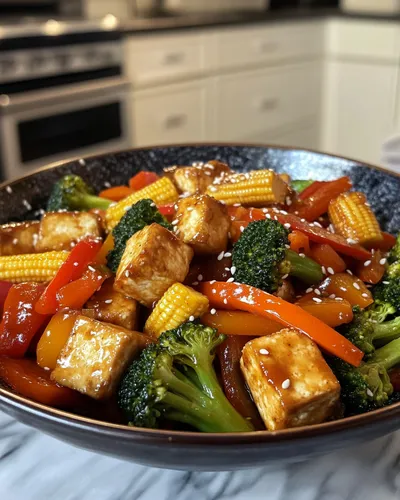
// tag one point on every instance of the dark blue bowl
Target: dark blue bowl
(189, 450)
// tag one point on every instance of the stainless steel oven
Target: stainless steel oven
(61, 102)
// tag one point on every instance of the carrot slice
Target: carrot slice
(326, 256)
(116, 193)
(372, 270)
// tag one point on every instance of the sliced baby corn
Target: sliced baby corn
(179, 303)
(256, 188)
(353, 218)
(31, 267)
(161, 192)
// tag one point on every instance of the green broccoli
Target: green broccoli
(393, 270)
(368, 386)
(72, 193)
(364, 331)
(175, 380)
(300, 185)
(394, 254)
(143, 213)
(261, 257)
(387, 298)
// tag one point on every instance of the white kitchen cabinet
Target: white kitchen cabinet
(251, 103)
(359, 108)
(172, 114)
(303, 135)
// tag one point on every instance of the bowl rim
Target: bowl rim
(78, 422)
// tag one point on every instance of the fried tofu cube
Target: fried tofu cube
(197, 178)
(203, 223)
(62, 230)
(18, 238)
(95, 357)
(113, 307)
(290, 381)
(153, 260)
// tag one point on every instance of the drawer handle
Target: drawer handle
(268, 105)
(174, 58)
(264, 47)
(175, 121)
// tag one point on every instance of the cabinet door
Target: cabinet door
(170, 115)
(359, 108)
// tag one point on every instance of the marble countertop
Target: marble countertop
(34, 466)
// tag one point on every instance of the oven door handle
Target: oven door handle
(31, 100)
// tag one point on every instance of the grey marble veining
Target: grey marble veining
(34, 466)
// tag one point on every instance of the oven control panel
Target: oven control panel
(28, 64)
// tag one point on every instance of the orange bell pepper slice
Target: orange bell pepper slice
(348, 287)
(253, 300)
(54, 338)
(326, 256)
(299, 242)
(372, 271)
(332, 312)
(116, 193)
(20, 321)
(74, 266)
(142, 179)
(241, 323)
(26, 378)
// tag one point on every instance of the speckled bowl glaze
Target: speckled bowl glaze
(25, 197)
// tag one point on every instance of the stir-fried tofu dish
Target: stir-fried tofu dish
(203, 299)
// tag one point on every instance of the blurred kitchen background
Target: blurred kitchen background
(81, 77)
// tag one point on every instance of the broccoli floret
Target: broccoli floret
(143, 213)
(366, 333)
(394, 254)
(261, 257)
(175, 380)
(72, 193)
(368, 386)
(387, 297)
(300, 185)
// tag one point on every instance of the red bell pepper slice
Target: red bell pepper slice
(372, 272)
(229, 354)
(78, 292)
(314, 232)
(248, 298)
(326, 256)
(116, 193)
(168, 209)
(310, 190)
(317, 204)
(4, 289)
(142, 179)
(387, 243)
(77, 261)
(26, 378)
(20, 321)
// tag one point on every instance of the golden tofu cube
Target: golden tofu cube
(197, 178)
(113, 307)
(96, 356)
(18, 238)
(154, 259)
(62, 230)
(203, 223)
(290, 381)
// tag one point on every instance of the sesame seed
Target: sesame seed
(108, 301)
(309, 290)
(318, 292)
(367, 263)
(283, 212)
(82, 161)
(286, 384)
(365, 295)
(221, 256)
(385, 282)
(9, 189)
(370, 393)
(317, 224)
(302, 255)
(287, 225)
(285, 276)
(356, 286)
(200, 277)
(107, 184)
(227, 268)
(332, 296)
(382, 262)
(15, 241)
(241, 229)
(331, 228)
(76, 264)
(230, 280)
(195, 283)
(344, 289)
(227, 254)
(175, 222)
(213, 311)
(212, 188)
(27, 204)
(287, 246)
(323, 269)
(212, 282)
(330, 270)
(233, 270)
(225, 301)
(268, 216)
(296, 212)
(236, 204)
(351, 241)
(214, 290)
(191, 318)
(316, 299)
(288, 201)
(264, 351)
(373, 251)
(349, 272)
(303, 220)
(127, 273)
(338, 298)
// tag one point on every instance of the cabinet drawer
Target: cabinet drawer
(156, 59)
(255, 102)
(255, 45)
(175, 114)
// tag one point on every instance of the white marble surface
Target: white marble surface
(34, 466)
